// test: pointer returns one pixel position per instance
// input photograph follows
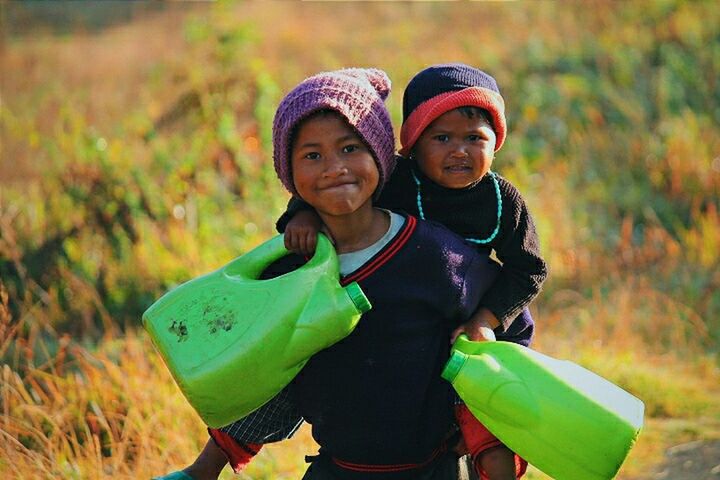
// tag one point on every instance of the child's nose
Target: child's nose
(335, 167)
(459, 150)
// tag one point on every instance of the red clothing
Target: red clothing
(238, 454)
(479, 439)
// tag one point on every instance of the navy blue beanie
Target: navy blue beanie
(441, 88)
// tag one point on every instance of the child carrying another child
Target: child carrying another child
(376, 402)
(453, 123)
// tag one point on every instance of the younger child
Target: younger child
(453, 123)
(376, 402)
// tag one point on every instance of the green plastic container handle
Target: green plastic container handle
(251, 265)
(254, 262)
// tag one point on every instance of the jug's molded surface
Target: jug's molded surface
(567, 421)
(232, 342)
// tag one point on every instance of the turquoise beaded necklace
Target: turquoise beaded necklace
(499, 208)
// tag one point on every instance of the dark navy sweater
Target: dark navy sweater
(376, 397)
(472, 213)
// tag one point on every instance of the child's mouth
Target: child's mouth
(337, 185)
(458, 168)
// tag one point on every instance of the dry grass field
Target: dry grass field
(136, 155)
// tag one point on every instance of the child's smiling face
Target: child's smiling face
(333, 170)
(456, 150)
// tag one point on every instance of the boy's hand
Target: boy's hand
(301, 232)
(479, 328)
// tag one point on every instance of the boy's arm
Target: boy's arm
(240, 441)
(294, 206)
(480, 327)
(518, 248)
(300, 224)
(275, 421)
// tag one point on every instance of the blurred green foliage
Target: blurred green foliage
(613, 138)
(135, 157)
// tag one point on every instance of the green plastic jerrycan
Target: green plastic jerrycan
(567, 421)
(232, 341)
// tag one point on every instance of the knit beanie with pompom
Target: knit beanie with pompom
(358, 95)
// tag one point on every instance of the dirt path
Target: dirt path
(698, 460)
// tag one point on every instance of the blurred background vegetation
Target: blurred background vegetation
(135, 153)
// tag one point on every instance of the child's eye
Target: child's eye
(312, 156)
(442, 138)
(474, 138)
(352, 148)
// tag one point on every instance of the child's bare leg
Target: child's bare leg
(208, 464)
(498, 463)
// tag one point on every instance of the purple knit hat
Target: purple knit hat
(358, 94)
